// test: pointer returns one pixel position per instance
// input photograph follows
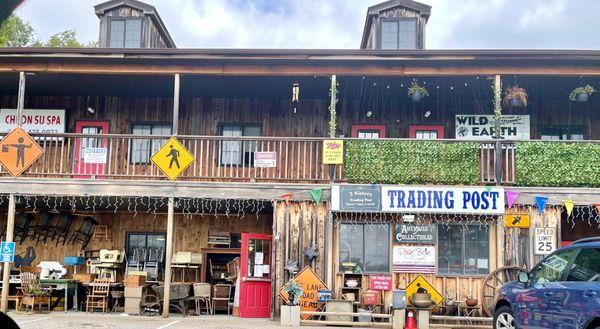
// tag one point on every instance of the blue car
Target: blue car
(562, 291)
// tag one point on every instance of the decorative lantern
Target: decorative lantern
(295, 96)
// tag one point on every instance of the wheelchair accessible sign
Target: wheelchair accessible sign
(7, 250)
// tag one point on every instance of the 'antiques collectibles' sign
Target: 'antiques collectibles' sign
(311, 284)
(172, 158)
(412, 233)
(443, 200)
(18, 151)
(414, 259)
(364, 198)
(544, 240)
(477, 127)
(517, 220)
(265, 159)
(333, 151)
(33, 121)
(421, 285)
(380, 282)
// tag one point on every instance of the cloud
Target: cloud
(339, 23)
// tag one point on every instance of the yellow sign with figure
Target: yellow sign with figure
(172, 158)
(517, 220)
(421, 285)
(333, 151)
(18, 151)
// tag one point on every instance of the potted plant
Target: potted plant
(581, 93)
(417, 92)
(294, 291)
(515, 97)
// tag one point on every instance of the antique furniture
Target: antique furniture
(102, 232)
(221, 297)
(219, 239)
(61, 229)
(69, 286)
(83, 235)
(99, 296)
(202, 293)
(22, 227)
(178, 292)
(153, 264)
(33, 293)
(42, 229)
(339, 306)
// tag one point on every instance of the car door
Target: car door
(536, 303)
(578, 295)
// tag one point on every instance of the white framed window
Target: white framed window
(236, 153)
(125, 33)
(426, 134)
(143, 149)
(399, 33)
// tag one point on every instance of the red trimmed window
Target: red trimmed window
(368, 131)
(426, 132)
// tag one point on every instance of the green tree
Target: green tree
(16, 33)
(64, 39)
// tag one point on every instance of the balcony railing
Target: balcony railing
(299, 160)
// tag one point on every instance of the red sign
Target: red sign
(380, 282)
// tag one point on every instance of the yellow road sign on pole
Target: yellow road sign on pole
(172, 158)
(18, 151)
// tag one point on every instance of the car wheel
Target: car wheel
(504, 318)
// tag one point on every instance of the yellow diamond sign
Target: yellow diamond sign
(421, 285)
(172, 158)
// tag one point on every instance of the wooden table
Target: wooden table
(63, 284)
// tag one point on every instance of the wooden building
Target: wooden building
(226, 106)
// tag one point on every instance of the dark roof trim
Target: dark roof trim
(375, 10)
(148, 10)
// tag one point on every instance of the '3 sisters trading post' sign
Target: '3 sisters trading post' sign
(362, 198)
(477, 127)
(443, 200)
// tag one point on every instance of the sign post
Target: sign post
(10, 225)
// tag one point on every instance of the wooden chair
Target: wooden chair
(221, 295)
(84, 234)
(202, 293)
(99, 296)
(32, 292)
(60, 231)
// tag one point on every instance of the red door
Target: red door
(255, 271)
(91, 153)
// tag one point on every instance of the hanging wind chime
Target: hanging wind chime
(295, 96)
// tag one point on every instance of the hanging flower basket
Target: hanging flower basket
(417, 92)
(582, 93)
(515, 97)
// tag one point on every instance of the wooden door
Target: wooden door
(92, 165)
(255, 271)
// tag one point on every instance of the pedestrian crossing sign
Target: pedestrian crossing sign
(172, 158)
(18, 151)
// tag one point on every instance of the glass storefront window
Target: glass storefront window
(463, 249)
(367, 245)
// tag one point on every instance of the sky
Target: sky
(337, 24)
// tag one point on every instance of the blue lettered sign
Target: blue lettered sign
(7, 252)
(443, 200)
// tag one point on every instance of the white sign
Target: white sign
(442, 200)
(95, 155)
(544, 240)
(34, 121)
(414, 259)
(477, 127)
(265, 159)
(258, 258)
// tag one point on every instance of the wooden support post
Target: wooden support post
(498, 129)
(329, 226)
(20, 98)
(10, 225)
(168, 255)
(176, 105)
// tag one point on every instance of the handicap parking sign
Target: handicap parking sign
(7, 252)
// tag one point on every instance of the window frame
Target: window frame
(250, 162)
(146, 233)
(397, 20)
(146, 123)
(463, 249)
(412, 130)
(562, 130)
(124, 19)
(355, 129)
(571, 264)
(364, 270)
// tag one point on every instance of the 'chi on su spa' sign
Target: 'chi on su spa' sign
(443, 200)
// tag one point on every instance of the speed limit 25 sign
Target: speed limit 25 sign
(544, 240)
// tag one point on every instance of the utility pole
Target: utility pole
(329, 228)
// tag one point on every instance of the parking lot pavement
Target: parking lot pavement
(86, 320)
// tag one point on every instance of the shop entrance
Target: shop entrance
(255, 272)
(90, 152)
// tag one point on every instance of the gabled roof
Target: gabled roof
(375, 10)
(147, 9)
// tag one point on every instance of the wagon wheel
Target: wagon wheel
(493, 282)
(150, 305)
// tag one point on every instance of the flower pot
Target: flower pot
(421, 300)
(583, 97)
(515, 102)
(291, 298)
(471, 302)
(416, 97)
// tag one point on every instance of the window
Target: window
(367, 245)
(144, 240)
(125, 33)
(368, 131)
(559, 132)
(239, 152)
(142, 149)
(463, 249)
(426, 132)
(399, 34)
(586, 266)
(552, 268)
